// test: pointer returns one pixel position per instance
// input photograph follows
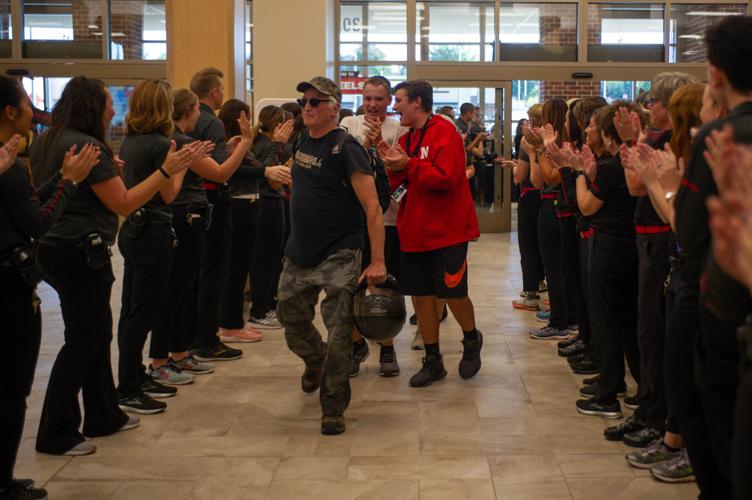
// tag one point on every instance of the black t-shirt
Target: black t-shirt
(566, 199)
(143, 154)
(210, 128)
(645, 214)
(85, 213)
(692, 230)
(192, 191)
(527, 184)
(326, 216)
(610, 186)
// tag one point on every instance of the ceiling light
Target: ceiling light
(691, 37)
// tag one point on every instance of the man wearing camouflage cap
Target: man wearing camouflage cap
(334, 193)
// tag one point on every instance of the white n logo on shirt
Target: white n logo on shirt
(424, 152)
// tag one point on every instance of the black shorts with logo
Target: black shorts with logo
(441, 272)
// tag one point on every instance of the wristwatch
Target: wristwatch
(670, 195)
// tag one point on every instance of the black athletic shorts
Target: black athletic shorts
(441, 272)
(391, 251)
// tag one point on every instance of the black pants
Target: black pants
(743, 436)
(549, 241)
(83, 363)
(392, 252)
(178, 309)
(584, 243)
(652, 251)
(269, 253)
(717, 377)
(570, 244)
(672, 293)
(527, 238)
(613, 306)
(245, 231)
(22, 334)
(147, 262)
(681, 389)
(212, 275)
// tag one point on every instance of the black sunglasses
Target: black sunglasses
(313, 101)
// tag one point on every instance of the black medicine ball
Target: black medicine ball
(380, 315)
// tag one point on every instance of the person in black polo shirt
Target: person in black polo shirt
(613, 267)
(207, 85)
(25, 214)
(716, 351)
(334, 194)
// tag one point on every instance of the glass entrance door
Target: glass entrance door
(490, 184)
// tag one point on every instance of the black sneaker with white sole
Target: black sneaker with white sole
(20, 491)
(617, 432)
(142, 404)
(219, 352)
(632, 402)
(594, 408)
(154, 389)
(388, 366)
(588, 391)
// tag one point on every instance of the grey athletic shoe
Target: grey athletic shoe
(170, 374)
(81, 449)
(654, 453)
(676, 470)
(549, 333)
(192, 365)
(417, 341)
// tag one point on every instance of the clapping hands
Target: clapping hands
(394, 157)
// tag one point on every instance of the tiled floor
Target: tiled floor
(248, 432)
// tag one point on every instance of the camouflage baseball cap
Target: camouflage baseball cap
(323, 85)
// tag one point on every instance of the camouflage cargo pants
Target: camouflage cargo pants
(298, 293)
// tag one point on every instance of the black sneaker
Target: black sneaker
(431, 371)
(585, 368)
(566, 343)
(19, 491)
(592, 407)
(26, 483)
(641, 438)
(311, 380)
(360, 354)
(332, 425)
(141, 404)
(220, 352)
(470, 362)
(388, 366)
(580, 358)
(590, 380)
(632, 402)
(588, 391)
(154, 389)
(414, 319)
(617, 432)
(575, 349)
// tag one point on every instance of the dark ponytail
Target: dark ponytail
(11, 92)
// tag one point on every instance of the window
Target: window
(67, 29)
(688, 25)
(373, 31)
(625, 32)
(455, 31)
(353, 76)
(6, 28)
(138, 29)
(121, 94)
(538, 32)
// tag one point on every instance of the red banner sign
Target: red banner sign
(351, 84)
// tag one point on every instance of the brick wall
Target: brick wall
(692, 50)
(87, 13)
(558, 24)
(126, 27)
(568, 89)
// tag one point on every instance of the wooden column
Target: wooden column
(203, 33)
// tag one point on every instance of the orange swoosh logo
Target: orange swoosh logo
(453, 280)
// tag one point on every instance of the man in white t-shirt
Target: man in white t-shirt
(369, 129)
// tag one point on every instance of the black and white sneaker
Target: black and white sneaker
(141, 404)
(592, 407)
(388, 366)
(431, 371)
(220, 352)
(470, 362)
(154, 389)
(631, 402)
(20, 491)
(360, 354)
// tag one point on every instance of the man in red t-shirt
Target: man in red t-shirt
(435, 222)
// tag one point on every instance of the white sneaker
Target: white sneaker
(81, 449)
(132, 423)
(272, 315)
(417, 344)
(266, 323)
